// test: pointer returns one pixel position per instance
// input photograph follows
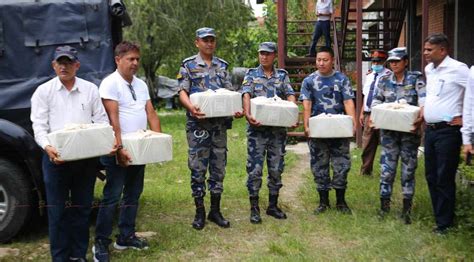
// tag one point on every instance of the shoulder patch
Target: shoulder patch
(188, 59)
(223, 61)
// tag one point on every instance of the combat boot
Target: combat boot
(323, 201)
(384, 207)
(406, 212)
(200, 217)
(341, 204)
(255, 211)
(273, 209)
(215, 213)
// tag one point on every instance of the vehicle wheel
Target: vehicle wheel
(15, 199)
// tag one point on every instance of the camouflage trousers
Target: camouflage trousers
(269, 142)
(207, 150)
(326, 151)
(398, 145)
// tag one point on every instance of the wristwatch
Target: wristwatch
(119, 147)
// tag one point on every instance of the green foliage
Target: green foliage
(166, 29)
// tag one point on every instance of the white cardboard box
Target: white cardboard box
(218, 103)
(147, 147)
(274, 111)
(81, 141)
(394, 116)
(330, 126)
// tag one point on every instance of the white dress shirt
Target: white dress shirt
(445, 87)
(53, 106)
(132, 113)
(468, 110)
(324, 7)
(368, 82)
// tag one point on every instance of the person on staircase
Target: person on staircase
(267, 81)
(322, 27)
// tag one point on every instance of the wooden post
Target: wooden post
(359, 101)
(281, 12)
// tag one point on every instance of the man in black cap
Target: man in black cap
(370, 136)
(63, 100)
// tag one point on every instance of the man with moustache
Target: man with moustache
(128, 105)
(446, 83)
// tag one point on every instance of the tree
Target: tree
(165, 30)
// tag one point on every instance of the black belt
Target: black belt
(439, 125)
(366, 113)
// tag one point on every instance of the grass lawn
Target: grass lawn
(167, 209)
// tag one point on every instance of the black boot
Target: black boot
(384, 207)
(341, 204)
(323, 202)
(200, 217)
(215, 213)
(255, 211)
(406, 212)
(273, 209)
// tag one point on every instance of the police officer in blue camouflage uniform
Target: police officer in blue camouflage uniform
(328, 91)
(267, 81)
(207, 138)
(409, 86)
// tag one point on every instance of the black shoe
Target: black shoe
(384, 207)
(406, 212)
(441, 231)
(255, 211)
(215, 212)
(100, 250)
(273, 209)
(323, 202)
(131, 241)
(341, 204)
(200, 217)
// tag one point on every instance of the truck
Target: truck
(30, 31)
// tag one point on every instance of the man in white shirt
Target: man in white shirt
(467, 129)
(445, 85)
(127, 102)
(370, 135)
(324, 10)
(66, 99)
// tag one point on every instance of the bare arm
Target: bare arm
(152, 117)
(194, 110)
(350, 110)
(111, 107)
(248, 114)
(306, 115)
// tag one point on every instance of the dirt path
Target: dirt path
(293, 178)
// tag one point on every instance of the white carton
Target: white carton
(81, 141)
(330, 126)
(274, 111)
(394, 116)
(218, 103)
(147, 147)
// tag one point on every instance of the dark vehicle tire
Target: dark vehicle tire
(15, 200)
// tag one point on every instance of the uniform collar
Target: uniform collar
(393, 78)
(330, 75)
(261, 73)
(200, 61)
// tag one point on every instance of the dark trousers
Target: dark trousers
(320, 28)
(441, 162)
(370, 141)
(69, 196)
(126, 180)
